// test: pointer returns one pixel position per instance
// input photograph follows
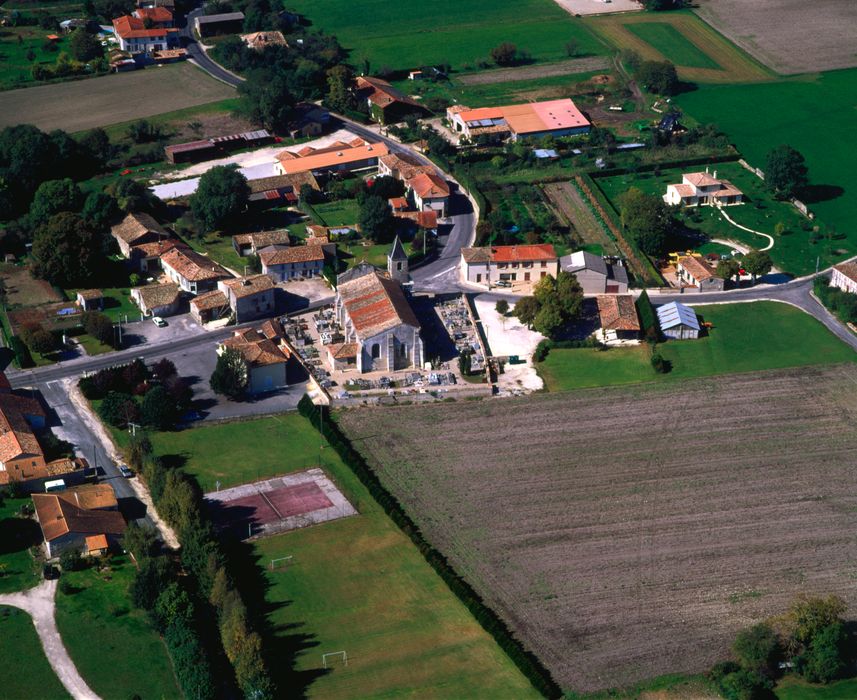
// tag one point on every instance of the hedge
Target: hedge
(525, 660)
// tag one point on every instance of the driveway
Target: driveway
(39, 603)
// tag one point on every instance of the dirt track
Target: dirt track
(573, 66)
(572, 207)
(627, 533)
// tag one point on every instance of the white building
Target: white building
(702, 189)
(844, 277)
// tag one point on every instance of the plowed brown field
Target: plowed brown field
(626, 533)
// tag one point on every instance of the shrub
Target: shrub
(119, 410)
(659, 364)
(70, 560)
(152, 577)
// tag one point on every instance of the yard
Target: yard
(410, 34)
(794, 689)
(745, 338)
(23, 666)
(18, 569)
(794, 251)
(759, 117)
(15, 45)
(113, 98)
(629, 532)
(113, 645)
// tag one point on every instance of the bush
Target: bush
(119, 410)
(100, 327)
(542, 350)
(659, 364)
(70, 560)
(41, 341)
(153, 575)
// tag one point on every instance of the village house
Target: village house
(261, 40)
(214, 25)
(338, 157)
(386, 104)
(678, 321)
(429, 191)
(844, 277)
(134, 230)
(90, 299)
(694, 272)
(68, 518)
(246, 244)
(192, 271)
(702, 189)
(279, 189)
(332, 233)
(597, 274)
(146, 31)
(292, 262)
(618, 320)
(402, 166)
(518, 266)
(158, 299)
(267, 355)
(381, 331)
(529, 120)
(244, 298)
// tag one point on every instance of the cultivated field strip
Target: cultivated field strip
(630, 532)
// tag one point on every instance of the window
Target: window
(544, 264)
(478, 278)
(403, 350)
(526, 277)
(376, 351)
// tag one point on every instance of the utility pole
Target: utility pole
(132, 428)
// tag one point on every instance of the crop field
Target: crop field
(110, 99)
(409, 34)
(625, 533)
(784, 34)
(759, 117)
(699, 53)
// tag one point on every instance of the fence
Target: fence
(800, 206)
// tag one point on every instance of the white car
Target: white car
(159, 322)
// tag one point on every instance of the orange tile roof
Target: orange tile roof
(160, 15)
(58, 516)
(684, 190)
(374, 304)
(428, 186)
(261, 346)
(295, 254)
(129, 27)
(697, 267)
(405, 164)
(210, 300)
(193, 266)
(331, 159)
(523, 253)
(532, 117)
(617, 312)
(700, 179)
(17, 438)
(96, 543)
(342, 351)
(156, 249)
(90, 496)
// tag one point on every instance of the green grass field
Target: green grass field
(16, 43)
(813, 113)
(745, 338)
(115, 649)
(672, 44)
(409, 34)
(18, 569)
(793, 252)
(794, 689)
(23, 666)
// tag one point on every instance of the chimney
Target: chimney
(245, 282)
(715, 174)
(706, 169)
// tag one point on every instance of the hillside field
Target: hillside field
(629, 532)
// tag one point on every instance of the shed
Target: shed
(678, 321)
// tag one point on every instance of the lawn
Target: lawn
(672, 44)
(745, 337)
(117, 303)
(343, 212)
(793, 252)
(115, 649)
(92, 345)
(760, 117)
(18, 569)
(410, 34)
(219, 248)
(795, 689)
(23, 666)
(15, 43)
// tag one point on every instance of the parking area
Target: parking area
(513, 342)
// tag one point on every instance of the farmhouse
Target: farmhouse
(136, 229)
(402, 166)
(251, 243)
(519, 266)
(261, 40)
(694, 272)
(529, 120)
(69, 517)
(212, 25)
(429, 192)
(618, 318)
(137, 34)
(192, 271)
(266, 353)
(597, 274)
(293, 262)
(702, 189)
(244, 298)
(678, 321)
(386, 104)
(844, 277)
(338, 157)
(381, 331)
(158, 299)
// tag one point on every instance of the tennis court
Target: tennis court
(278, 505)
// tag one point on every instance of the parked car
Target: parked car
(159, 322)
(125, 471)
(503, 283)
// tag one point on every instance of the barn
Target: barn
(678, 321)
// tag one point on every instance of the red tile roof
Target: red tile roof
(374, 304)
(193, 266)
(697, 267)
(523, 253)
(617, 312)
(381, 93)
(428, 186)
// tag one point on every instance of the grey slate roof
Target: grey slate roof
(590, 262)
(398, 252)
(675, 314)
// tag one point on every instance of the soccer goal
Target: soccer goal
(281, 562)
(340, 654)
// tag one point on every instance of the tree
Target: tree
(648, 218)
(100, 327)
(153, 576)
(99, 209)
(119, 409)
(40, 340)
(230, 376)
(785, 171)
(52, 197)
(96, 143)
(158, 409)
(387, 187)
(339, 96)
(757, 263)
(550, 320)
(163, 369)
(143, 131)
(130, 195)
(141, 540)
(266, 98)
(824, 661)
(66, 251)
(85, 46)
(572, 48)
(219, 198)
(658, 76)
(727, 269)
(756, 648)
(808, 616)
(376, 219)
(505, 54)
(525, 310)
(502, 307)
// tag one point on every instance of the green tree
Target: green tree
(659, 77)
(756, 648)
(267, 98)
(66, 251)
(824, 661)
(502, 307)
(505, 54)
(99, 209)
(158, 409)
(809, 615)
(219, 198)
(525, 310)
(173, 605)
(53, 197)
(141, 540)
(550, 320)
(757, 263)
(40, 340)
(143, 131)
(339, 96)
(119, 409)
(85, 46)
(100, 327)
(96, 143)
(230, 377)
(648, 218)
(153, 576)
(130, 195)
(785, 171)
(727, 269)
(376, 219)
